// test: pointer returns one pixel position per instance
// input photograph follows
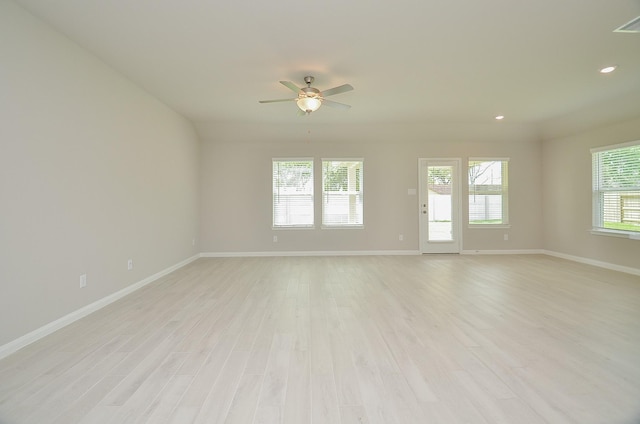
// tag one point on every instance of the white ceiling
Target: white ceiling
(409, 60)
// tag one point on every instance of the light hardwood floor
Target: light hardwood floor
(329, 340)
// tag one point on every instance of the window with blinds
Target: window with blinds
(488, 192)
(342, 200)
(616, 188)
(292, 193)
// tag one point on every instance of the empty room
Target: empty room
(328, 213)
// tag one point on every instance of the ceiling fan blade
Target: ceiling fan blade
(337, 90)
(275, 101)
(290, 86)
(335, 105)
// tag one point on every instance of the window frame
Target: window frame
(504, 192)
(294, 226)
(598, 192)
(359, 193)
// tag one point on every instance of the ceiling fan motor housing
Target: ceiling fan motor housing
(310, 92)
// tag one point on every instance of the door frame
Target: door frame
(423, 225)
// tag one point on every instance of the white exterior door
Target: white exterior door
(440, 205)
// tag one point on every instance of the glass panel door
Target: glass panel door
(439, 205)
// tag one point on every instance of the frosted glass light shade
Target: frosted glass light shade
(308, 104)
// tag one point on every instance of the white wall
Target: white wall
(93, 171)
(567, 196)
(236, 183)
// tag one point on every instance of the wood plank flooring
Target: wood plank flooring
(351, 340)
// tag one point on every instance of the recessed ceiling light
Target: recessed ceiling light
(500, 117)
(608, 69)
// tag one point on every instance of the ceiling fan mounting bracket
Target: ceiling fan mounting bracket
(309, 80)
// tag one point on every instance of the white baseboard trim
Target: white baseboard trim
(600, 264)
(504, 252)
(27, 339)
(309, 253)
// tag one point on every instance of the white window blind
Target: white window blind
(342, 192)
(616, 188)
(292, 193)
(488, 191)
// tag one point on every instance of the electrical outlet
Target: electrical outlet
(506, 237)
(401, 237)
(275, 239)
(83, 281)
(129, 264)
(193, 242)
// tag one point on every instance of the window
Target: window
(292, 193)
(342, 193)
(616, 188)
(488, 194)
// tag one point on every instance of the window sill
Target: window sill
(342, 227)
(485, 226)
(310, 227)
(613, 233)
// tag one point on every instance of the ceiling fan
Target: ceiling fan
(310, 99)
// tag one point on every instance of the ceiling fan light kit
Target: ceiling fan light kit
(310, 99)
(308, 104)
